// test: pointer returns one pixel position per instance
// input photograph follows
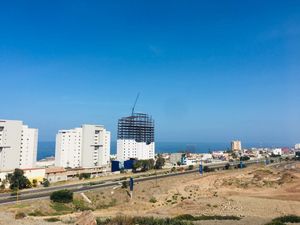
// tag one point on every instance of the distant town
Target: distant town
(86, 150)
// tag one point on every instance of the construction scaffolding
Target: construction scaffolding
(138, 127)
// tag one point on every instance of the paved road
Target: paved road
(45, 193)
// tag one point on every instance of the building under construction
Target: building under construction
(138, 127)
(135, 137)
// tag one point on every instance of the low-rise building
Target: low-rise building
(56, 174)
(175, 158)
(37, 174)
(277, 151)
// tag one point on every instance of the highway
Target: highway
(82, 187)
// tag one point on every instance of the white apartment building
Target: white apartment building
(18, 145)
(127, 149)
(88, 146)
(277, 151)
(297, 146)
(236, 145)
(136, 137)
(95, 146)
(68, 148)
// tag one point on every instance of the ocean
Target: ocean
(46, 149)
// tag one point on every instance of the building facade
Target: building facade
(297, 146)
(236, 145)
(18, 145)
(136, 137)
(88, 146)
(68, 148)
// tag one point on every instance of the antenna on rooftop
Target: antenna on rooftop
(137, 98)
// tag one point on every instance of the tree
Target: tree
(160, 162)
(3, 183)
(34, 183)
(244, 158)
(46, 182)
(136, 165)
(234, 155)
(85, 176)
(62, 196)
(125, 184)
(191, 167)
(144, 165)
(227, 166)
(18, 181)
(147, 164)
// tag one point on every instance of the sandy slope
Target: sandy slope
(257, 194)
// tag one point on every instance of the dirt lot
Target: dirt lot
(257, 194)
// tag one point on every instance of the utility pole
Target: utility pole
(131, 183)
(201, 168)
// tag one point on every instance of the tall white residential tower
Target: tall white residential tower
(88, 146)
(18, 145)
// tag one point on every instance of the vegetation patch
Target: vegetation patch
(62, 196)
(80, 205)
(37, 213)
(189, 217)
(284, 220)
(153, 200)
(20, 215)
(53, 219)
(141, 221)
(61, 208)
(112, 203)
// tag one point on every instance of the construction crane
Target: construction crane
(137, 98)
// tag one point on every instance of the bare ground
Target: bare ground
(257, 194)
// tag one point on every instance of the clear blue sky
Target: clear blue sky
(208, 71)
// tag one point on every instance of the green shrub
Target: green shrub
(207, 169)
(46, 182)
(275, 223)
(285, 219)
(62, 196)
(124, 184)
(20, 215)
(61, 208)
(185, 217)
(288, 219)
(191, 167)
(37, 213)
(53, 219)
(80, 205)
(123, 220)
(204, 217)
(84, 176)
(153, 200)
(34, 183)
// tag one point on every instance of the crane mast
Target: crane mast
(133, 108)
